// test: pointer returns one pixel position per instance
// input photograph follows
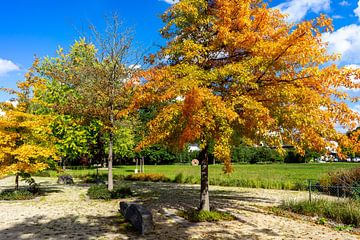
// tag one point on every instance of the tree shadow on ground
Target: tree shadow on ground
(179, 196)
(68, 227)
(155, 196)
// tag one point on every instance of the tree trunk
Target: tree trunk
(110, 162)
(204, 188)
(17, 181)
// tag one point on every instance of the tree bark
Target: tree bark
(204, 188)
(110, 162)
(17, 181)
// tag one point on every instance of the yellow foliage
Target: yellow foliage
(242, 70)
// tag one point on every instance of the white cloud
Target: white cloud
(297, 10)
(344, 3)
(170, 1)
(337, 17)
(345, 41)
(7, 66)
(357, 10)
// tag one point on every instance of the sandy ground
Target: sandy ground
(65, 212)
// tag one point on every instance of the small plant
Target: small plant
(193, 215)
(322, 221)
(344, 228)
(121, 192)
(179, 178)
(93, 178)
(151, 177)
(101, 192)
(16, 195)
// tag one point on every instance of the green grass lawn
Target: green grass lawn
(278, 176)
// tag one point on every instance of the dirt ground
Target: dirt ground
(65, 212)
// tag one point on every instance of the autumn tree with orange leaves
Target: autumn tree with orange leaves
(237, 68)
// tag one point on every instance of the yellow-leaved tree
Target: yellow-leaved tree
(237, 68)
(25, 141)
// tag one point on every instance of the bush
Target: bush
(348, 179)
(121, 192)
(93, 178)
(150, 177)
(101, 192)
(346, 212)
(193, 215)
(179, 178)
(247, 154)
(16, 195)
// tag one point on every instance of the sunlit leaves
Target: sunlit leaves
(242, 70)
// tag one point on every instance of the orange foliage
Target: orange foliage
(243, 70)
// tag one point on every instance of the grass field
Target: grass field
(277, 176)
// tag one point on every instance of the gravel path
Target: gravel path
(65, 212)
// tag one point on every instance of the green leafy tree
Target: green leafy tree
(93, 83)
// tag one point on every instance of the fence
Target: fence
(316, 190)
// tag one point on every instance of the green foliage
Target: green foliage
(322, 221)
(124, 140)
(75, 137)
(193, 215)
(157, 154)
(179, 178)
(101, 192)
(21, 194)
(252, 155)
(346, 212)
(344, 228)
(121, 192)
(151, 177)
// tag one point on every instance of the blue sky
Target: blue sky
(38, 27)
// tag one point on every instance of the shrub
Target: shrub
(93, 178)
(348, 179)
(16, 195)
(101, 192)
(346, 212)
(193, 215)
(179, 178)
(151, 177)
(121, 192)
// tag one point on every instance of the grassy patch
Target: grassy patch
(20, 194)
(193, 215)
(101, 192)
(270, 176)
(345, 212)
